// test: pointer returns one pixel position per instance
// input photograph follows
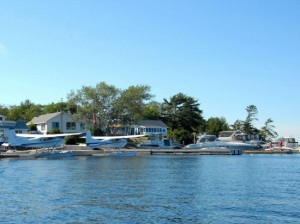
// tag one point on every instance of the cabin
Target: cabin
(59, 120)
(150, 127)
(19, 126)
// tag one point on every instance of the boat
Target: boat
(212, 142)
(288, 143)
(237, 136)
(158, 142)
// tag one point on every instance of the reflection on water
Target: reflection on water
(151, 189)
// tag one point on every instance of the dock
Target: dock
(86, 151)
(192, 152)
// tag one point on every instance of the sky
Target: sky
(226, 54)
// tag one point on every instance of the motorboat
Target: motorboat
(288, 143)
(237, 136)
(158, 142)
(212, 142)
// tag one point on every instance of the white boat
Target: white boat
(237, 136)
(288, 143)
(212, 142)
(158, 142)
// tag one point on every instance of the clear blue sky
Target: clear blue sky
(227, 54)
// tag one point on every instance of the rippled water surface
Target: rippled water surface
(151, 189)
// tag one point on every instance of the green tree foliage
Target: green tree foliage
(129, 107)
(25, 112)
(4, 110)
(180, 135)
(54, 131)
(73, 140)
(182, 112)
(248, 126)
(32, 127)
(215, 124)
(267, 131)
(56, 107)
(151, 111)
(237, 125)
(94, 105)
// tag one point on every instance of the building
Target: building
(150, 127)
(59, 120)
(19, 126)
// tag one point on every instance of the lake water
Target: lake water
(151, 189)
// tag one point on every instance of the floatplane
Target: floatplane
(45, 145)
(115, 144)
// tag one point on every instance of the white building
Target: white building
(150, 127)
(59, 120)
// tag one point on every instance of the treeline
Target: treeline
(105, 106)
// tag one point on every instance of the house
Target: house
(150, 127)
(59, 120)
(19, 126)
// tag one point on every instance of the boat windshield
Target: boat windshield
(229, 133)
(207, 138)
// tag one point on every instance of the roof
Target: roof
(157, 123)
(21, 125)
(44, 118)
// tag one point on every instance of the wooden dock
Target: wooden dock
(190, 152)
(86, 151)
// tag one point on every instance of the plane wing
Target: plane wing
(47, 135)
(117, 137)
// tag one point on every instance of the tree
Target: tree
(267, 131)
(4, 110)
(56, 107)
(129, 107)
(248, 123)
(183, 113)
(214, 125)
(94, 105)
(237, 125)
(25, 112)
(151, 111)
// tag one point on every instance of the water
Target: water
(151, 189)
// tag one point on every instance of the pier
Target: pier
(86, 151)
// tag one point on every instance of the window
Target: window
(71, 126)
(43, 127)
(55, 125)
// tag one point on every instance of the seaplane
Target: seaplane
(52, 143)
(111, 142)
(114, 143)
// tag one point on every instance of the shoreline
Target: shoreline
(80, 150)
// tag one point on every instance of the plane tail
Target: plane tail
(13, 139)
(90, 141)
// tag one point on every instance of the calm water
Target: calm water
(152, 189)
